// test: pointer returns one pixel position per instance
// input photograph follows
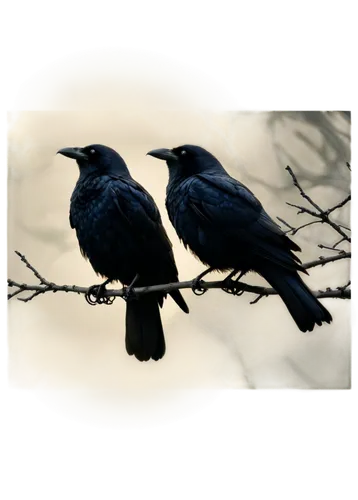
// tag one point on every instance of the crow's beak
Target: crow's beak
(75, 153)
(163, 154)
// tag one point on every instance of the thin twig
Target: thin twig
(321, 261)
(259, 297)
(29, 266)
(303, 194)
(321, 214)
(294, 230)
(334, 249)
(338, 242)
(339, 205)
(286, 223)
(345, 286)
(345, 227)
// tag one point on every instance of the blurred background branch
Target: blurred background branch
(316, 145)
(325, 137)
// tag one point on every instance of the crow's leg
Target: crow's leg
(128, 293)
(229, 287)
(95, 294)
(196, 282)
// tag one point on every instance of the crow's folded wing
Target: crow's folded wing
(223, 203)
(138, 209)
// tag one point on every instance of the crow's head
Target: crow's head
(97, 159)
(188, 160)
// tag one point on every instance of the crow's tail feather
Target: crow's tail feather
(178, 298)
(303, 306)
(144, 330)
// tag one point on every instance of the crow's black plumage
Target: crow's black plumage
(225, 225)
(119, 230)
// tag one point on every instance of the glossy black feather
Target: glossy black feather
(119, 230)
(224, 224)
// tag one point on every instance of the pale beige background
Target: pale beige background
(58, 341)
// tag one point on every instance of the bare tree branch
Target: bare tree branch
(294, 230)
(339, 205)
(333, 248)
(321, 214)
(236, 287)
(233, 287)
(321, 261)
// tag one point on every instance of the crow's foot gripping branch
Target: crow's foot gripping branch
(230, 285)
(128, 292)
(96, 294)
(197, 282)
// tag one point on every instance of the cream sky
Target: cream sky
(135, 102)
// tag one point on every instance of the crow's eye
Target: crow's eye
(92, 151)
(183, 152)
